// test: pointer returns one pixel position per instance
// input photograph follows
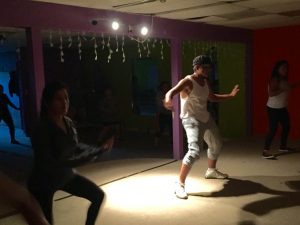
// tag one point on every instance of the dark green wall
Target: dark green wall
(119, 76)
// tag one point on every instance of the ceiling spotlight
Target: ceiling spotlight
(144, 31)
(115, 25)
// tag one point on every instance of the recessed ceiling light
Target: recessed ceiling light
(144, 31)
(115, 25)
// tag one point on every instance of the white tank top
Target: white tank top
(195, 104)
(281, 100)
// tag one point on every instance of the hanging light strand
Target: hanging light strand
(144, 46)
(123, 52)
(148, 49)
(51, 40)
(79, 47)
(61, 49)
(70, 40)
(162, 49)
(154, 43)
(103, 41)
(168, 43)
(139, 49)
(117, 43)
(110, 51)
(95, 49)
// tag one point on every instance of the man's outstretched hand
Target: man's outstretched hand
(235, 90)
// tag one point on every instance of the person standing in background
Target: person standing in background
(278, 91)
(110, 113)
(13, 84)
(163, 116)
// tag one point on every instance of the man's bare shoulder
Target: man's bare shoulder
(186, 79)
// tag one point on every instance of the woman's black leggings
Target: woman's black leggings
(276, 117)
(78, 186)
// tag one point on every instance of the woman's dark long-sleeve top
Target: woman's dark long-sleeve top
(56, 152)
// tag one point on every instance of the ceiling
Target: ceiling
(249, 14)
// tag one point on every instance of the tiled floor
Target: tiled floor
(139, 190)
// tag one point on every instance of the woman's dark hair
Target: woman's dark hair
(48, 94)
(275, 71)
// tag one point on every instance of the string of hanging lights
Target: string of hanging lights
(106, 43)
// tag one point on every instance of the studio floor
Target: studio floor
(140, 190)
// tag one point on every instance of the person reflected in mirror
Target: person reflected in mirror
(279, 90)
(5, 114)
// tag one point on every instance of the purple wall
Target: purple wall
(35, 16)
(21, 13)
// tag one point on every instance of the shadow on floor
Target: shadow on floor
(247, 222)
(235, 187)
(296, 151)
(24, 145)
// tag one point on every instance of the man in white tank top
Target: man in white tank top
(194, 93)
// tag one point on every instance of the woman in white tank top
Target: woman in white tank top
(278, 90)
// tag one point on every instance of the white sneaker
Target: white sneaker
(180, 191)
(215, 174)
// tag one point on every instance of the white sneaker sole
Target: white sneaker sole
(269, 157)
(180, 197)
(220, 178)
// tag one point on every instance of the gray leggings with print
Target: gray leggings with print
(196, 131)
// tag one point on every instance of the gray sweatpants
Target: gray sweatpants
(196, 131)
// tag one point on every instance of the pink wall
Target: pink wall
(269, 46)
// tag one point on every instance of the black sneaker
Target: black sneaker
(267, 155)
(286, 149)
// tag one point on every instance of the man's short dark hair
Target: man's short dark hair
(202, 60)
